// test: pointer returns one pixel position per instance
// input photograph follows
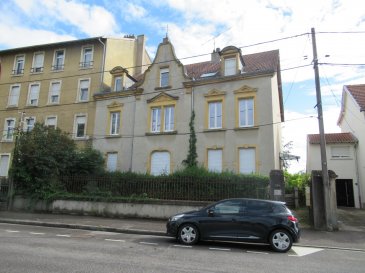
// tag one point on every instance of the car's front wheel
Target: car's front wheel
(281, 240)
(188, 234)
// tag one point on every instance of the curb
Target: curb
(84, 227)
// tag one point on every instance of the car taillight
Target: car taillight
(292, 218)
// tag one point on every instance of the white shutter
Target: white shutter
(14, 95)
(230, 67)
(215, 160)
(247, 160)
(38, 60)
(160, 163)
(111, 163)
(4, 165)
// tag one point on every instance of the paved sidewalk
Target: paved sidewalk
(350, 236)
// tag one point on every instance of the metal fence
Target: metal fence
(4, 188)
(167, 188)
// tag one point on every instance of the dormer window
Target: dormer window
(121, 80)
(230, 66)
(118, 83)
(164, 77)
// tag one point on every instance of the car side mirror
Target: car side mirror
(210, 212)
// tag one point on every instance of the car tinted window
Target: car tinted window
(280, 209)
(256, 206)
(228, 207)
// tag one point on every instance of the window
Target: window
(4, 164)
(246, 112)
(230, 67)
(160, 163)
(114, 123)
(38, 60)
(14, 94)
(33, 94)
(215, 160)
(156, 119)
(29, 124)
(87, 57)
(247, 160)
(19, 65)
(215, 115)
(80, 126)
(84, 86)
(169, 118)
(338, 152)
(118, 84)
(164, 77)
(9, 129)
(59, 60)
(228, 207)
(111, 162)
(54, 92)
(51, 122)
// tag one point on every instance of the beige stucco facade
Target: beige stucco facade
(56, 83)
(137, 140)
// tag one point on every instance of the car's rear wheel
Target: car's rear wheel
(188, 234)
(281, 240)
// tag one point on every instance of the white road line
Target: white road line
(115, 240)
(220, 249)
(182, 246)
(12, 231)
(37, 233)
(147, 243)
(63, 235)
(257, 252)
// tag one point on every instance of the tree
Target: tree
(191, 161)
(43, 154)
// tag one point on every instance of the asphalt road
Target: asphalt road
(41, 249)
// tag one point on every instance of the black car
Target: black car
(243, 220)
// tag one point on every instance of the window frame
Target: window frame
(16, 69)
(107, 162)
(226, 61)
(162, 79)
(249, 122)
(29, 99)
(340, 149)
(151, 165)
(29, 127)
(116, 85)
(216, 115)
(76, 126)
(208, 162)
(56, 66)
(50, 92)
(79, 92)
(37, 69)
(84, 63)
(254, 163)
(114, 125)
(9, 134)
(46, 122)
(8, 163)
(11, 95)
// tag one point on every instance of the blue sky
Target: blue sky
(196, 27)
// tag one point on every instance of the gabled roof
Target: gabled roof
(263, 62)
(333, 138)
(358, 93)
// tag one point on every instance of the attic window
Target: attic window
(230, 67)
(205, 75)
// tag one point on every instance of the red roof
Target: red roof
(333, 138)
(358, 92)
(254, 63)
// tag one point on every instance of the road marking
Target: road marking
(220, 249)
(12, 231)
(182, 246)
(147, 243)
(302, 251)
(37, 233)
(115, 240)
(63, 235)
(257, 252)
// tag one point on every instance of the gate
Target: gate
(4, 189)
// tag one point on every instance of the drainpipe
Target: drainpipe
(357, 175)
(102, 66)
(133, 129)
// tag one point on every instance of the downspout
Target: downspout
(357, 175)
(133, 130)
(102, 66)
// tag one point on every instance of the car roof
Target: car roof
(253, 199)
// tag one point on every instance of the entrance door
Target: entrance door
(345, 193)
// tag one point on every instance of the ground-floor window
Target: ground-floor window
(160, 163)
(215, 160)
(247, 158)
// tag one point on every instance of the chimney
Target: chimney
(141, 45)
(215, 57)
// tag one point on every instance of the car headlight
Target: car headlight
(176, 217)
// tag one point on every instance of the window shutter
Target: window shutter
(230, 67)
(215, 160)
(111, 163)
(160, 163)
(247, 160)
(4, 165)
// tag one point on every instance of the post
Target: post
(326, 182)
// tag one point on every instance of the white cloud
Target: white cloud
(134, 11)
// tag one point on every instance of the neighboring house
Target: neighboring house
(341, 150)
(352, 119)
(238, 107)
(55, 83)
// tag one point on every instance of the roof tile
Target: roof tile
(333, 138)
(358, 92)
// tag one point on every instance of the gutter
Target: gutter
(102, 65)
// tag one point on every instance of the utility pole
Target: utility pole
(330, 225)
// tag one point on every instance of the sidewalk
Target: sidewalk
(350, 236)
